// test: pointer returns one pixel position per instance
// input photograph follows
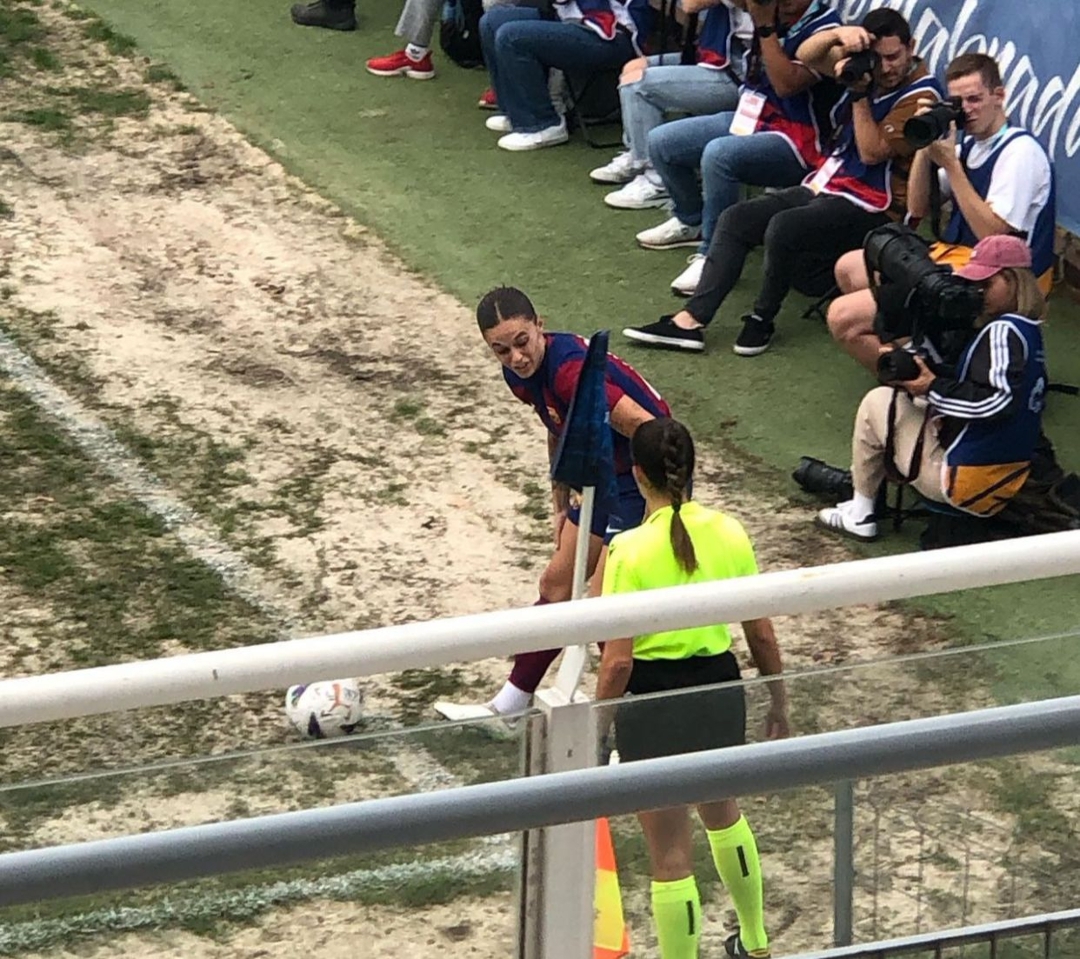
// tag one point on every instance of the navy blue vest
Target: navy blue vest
(1041, 239)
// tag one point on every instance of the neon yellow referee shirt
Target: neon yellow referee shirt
(642, 558)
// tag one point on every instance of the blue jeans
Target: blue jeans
(678, 149)
(666, 87)
(519, 49)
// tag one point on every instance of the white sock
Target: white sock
(510, 699)
(415, 53)
(862, 508)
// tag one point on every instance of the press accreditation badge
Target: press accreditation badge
(825, 173)
(747, 115)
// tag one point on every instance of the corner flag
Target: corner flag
(584, 460)
(584, 456)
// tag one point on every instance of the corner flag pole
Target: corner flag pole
(584, 461)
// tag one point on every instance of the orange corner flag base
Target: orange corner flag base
(610, 937)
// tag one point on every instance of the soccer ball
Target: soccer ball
(326, 709)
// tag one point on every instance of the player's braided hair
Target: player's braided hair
(664, 450)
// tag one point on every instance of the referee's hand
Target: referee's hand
(776, 723)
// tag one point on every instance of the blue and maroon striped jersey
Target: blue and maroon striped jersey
(550, 389)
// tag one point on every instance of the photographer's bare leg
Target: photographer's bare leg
(851, 316)
(851, 323)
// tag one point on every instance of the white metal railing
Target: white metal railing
(161, 682)
(558, 863)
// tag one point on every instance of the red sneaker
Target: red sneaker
(398, 64)
(487, 100)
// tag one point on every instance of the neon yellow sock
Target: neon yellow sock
(676, 909)
(735, 854)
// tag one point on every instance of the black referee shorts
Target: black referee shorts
(691, 722)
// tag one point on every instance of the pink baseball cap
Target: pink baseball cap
(992, 254)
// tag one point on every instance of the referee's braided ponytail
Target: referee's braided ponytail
(664, 451)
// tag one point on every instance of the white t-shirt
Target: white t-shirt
(1020, 187)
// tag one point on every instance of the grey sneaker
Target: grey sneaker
(331, 14)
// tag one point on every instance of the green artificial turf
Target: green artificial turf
(413, 161)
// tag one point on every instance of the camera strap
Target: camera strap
(935, 203)
(892, 468)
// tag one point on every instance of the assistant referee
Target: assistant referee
(681, 542)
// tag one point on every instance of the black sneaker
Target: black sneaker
(332, 14)
(755, 336)
(734, 947)
(666, 334)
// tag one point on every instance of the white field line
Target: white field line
(99, 443)
(241, 904)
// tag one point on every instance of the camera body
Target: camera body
(897, 366)
(859, 65)
(927, 127)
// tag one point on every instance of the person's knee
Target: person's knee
(632, 71)
(716, 159)
(778, 235)
(845, 319)
(730, 222)
(658, 144)
(851, 316)
(851, 273)
(511, 34)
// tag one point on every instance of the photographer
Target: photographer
(998, 178)
(777, 134)
(805, 229)
(970, 442)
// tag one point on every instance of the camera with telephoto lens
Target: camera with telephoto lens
(818, 477)
(859, 66)
(916, 296)
(932, 125)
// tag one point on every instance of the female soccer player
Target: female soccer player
(681, 542)
(542, 369)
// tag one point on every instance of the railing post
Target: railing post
(843, 861)
(559, 863)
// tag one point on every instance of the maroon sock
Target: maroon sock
(529, 668)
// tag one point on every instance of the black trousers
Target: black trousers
(803, 234)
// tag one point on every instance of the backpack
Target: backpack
(459, 32)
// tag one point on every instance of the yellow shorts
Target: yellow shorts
(956, 256)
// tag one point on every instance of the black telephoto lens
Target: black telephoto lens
(927, 127)
(818, 477)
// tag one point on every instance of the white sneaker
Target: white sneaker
(457, 712)
(668, 235)
(641, 193)
(461, 712)
(686, 283)
(622, 169)
(499, 123)
(552, 136)
(841, 519)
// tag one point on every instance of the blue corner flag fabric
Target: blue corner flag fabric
(584, 456)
